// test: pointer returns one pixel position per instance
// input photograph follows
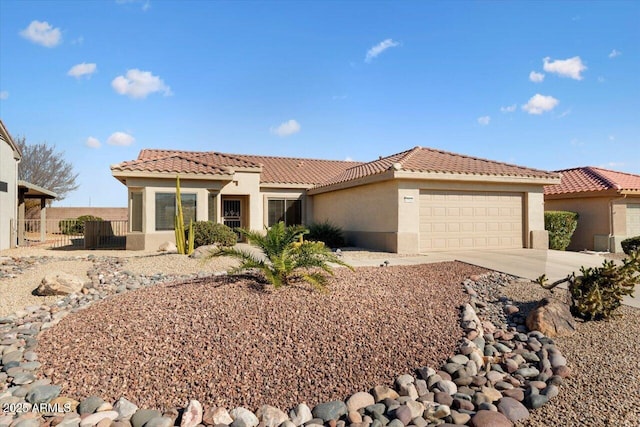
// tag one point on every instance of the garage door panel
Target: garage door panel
(458, 220)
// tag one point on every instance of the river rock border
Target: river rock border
(499, 373)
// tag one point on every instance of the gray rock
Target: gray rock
(43, 394)
(24, 378)
(535, 401)
(142, 416)
(395, 423)
(448, 387)
(403, 413)
(550, 391)
(125, 409)
(330, 410)
(378, 408)
(513, 409)
(90, 405)
(243, 417)
(168, 247)
(159, 422)
(301, 414)
(527, 372)
(13, 356)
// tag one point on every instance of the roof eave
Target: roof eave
(583, 194)
(123, 175)
(469, 177)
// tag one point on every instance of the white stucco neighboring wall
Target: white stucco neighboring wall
(9, 159)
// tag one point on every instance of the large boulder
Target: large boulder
(59, 284)
(551, 317)
(203, 251)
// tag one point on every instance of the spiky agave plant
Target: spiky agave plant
(284, 257)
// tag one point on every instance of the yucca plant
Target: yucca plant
(599, 291)
(284, 257)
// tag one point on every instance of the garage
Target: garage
(470, 220)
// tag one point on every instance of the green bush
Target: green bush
(560, 225)
(326, 232)
(631, 244)
(75, 226)
(209, 233)
(597, 292)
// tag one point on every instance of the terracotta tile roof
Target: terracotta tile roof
(289, 170)
(420, 159)
(592, 179)
(173, 163)
(275, 170)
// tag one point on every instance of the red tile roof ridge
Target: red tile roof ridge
(594, 173)
(137, 162)
(293, 158)
(451, 153)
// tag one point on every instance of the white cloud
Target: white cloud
(82, 69)
(614, 53)
(536, 77)
(93, 142)
(42, 33)
(139, 84)
(571, 67)
(484, 120)
(379, 48)
(146, 4)
(287, 128)
(538, 104)
(121, 139)
(348, 159)
(509, 108)
(4, 95)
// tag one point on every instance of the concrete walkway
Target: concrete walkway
(526, 263)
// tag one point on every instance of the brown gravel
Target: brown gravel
(229, 342)
(605, 387)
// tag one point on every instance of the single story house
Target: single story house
(419, 200)
(607, 201)
(9, 158)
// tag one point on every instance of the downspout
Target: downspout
(612, 243)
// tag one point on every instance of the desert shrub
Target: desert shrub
(76, 226)
(209, 233)
(326, 232)
(631, 244)
(560, 225)
(597, 292)
(284, 256)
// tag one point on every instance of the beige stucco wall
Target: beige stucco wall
(368, 214)
(602, 224)
(8, 199)
(244, 184)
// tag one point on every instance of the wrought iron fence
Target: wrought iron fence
(71, 233)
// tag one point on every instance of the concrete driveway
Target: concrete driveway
(525, 263)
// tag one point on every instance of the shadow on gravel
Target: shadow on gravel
(254, 283)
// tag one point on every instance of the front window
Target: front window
(136, 211)
(166, 209)
(288, 211)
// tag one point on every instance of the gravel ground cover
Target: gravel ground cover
(228, 342)
(605, 385)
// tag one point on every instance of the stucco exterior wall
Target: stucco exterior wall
(368, 214)
(9, 198)
(602, 224)
(594, 220)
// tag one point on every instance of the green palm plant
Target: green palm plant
(284, 256)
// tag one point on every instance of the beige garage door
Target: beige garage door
(470, 220)
(633, 220)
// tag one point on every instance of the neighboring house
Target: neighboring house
(416, 201)
(9, 158)
(608, 203)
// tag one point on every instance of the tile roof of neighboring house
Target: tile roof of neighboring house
(592, 179)
(172, 163)
(420, 159)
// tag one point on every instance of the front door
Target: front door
(232, 212)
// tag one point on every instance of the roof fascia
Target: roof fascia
(583, 194)
(449, 176)
(170, 175)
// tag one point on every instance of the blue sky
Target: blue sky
(549, 85)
